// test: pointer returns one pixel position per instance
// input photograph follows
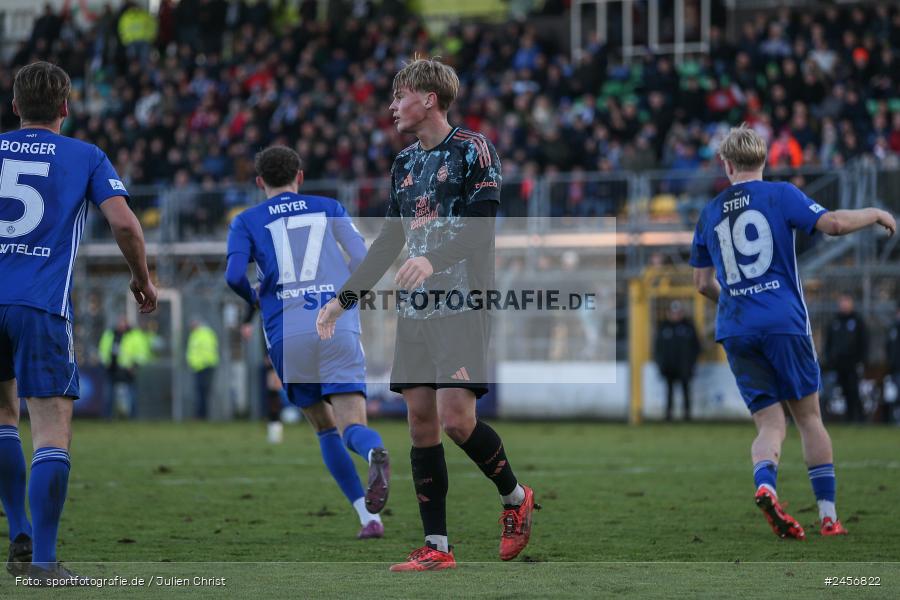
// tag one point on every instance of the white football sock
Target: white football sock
(364, 515)
(438, 541)
(826, 509)
(768, 487)
(275, 432)
(515, 497)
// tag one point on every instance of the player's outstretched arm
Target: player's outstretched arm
(381, 255)
(842, 222)
(126, 229)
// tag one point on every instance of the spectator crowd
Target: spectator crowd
(187, 96)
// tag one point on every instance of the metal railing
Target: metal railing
(189, 256)
(639, 200)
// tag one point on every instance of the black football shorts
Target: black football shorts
(443, 352)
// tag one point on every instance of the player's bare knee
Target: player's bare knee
(458, 426)
(348, 410)
(424, 433)
(9, 406)
(419, 416)
(9, 403)
(424, 428)
(51, 421)
(319, 416)
(813, 429)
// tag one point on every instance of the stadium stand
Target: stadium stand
(181, 99)
(193, 112)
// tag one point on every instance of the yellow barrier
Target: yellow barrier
(659, 283)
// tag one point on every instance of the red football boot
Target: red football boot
(783, 524)
(516, 523)
(426, 558)
(830, 527)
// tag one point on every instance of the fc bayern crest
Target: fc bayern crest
(442, 174)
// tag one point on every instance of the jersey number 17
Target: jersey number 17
(284, 254)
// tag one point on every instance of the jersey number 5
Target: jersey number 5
(10, 188)
(287, 272)
(735, 238)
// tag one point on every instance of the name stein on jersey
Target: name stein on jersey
(748, 233)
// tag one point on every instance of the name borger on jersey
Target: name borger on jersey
(46, 183)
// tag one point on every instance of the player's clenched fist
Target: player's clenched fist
(145, 294)
(886, 220)
(328, 316)
(413, 273)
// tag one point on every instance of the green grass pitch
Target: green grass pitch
(654, 511)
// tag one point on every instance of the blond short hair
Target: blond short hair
(429, 75)
(744, 148)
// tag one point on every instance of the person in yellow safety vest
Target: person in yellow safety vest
(203, 358)
(137, 32)
(122, 350)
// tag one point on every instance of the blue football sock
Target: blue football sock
(823, 481)
(361, 439)
(339, 463)
(47, 495)
(12, 481)
(824, 486)
(764, 473)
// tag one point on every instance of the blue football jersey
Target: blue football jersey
(748, 233)
(296, 241)
(46, 182)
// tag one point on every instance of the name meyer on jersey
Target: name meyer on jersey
(25, 249)
(284, 207)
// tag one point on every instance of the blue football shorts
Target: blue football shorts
(37, 350)
(313, 369)
(771, 368)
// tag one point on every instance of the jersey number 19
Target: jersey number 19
(735, 238)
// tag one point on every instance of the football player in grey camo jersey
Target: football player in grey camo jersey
(445, 191)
